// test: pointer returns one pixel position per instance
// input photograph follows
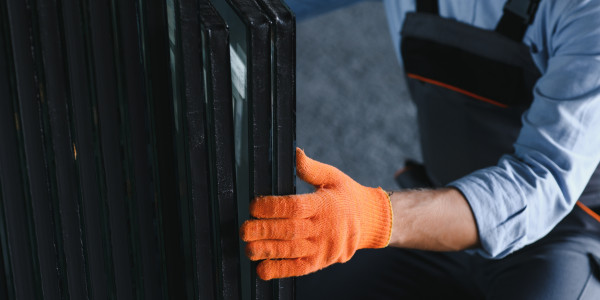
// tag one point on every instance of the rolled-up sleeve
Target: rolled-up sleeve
(528, 192)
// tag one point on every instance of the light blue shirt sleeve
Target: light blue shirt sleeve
(527, 193)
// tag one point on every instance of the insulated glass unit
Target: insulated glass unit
(133, 136)
(262, 50)
(283, 105)
(250, 56)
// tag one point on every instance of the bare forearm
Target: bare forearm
(438, 220)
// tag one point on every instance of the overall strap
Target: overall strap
(427, 6)
(518, 14)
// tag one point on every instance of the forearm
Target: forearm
(438, 220)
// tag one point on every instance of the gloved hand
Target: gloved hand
(300, 234)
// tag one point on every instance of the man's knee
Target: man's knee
(565, 270)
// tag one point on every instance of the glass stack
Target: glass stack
(134, 135)
(262, 54)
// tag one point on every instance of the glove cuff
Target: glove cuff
(376, 220)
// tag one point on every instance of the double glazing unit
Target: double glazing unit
(134, 134)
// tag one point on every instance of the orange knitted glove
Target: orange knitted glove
(300, 234)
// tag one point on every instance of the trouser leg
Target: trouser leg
(392, 273)
(547, 274)
(562, 265)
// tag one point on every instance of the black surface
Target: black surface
(137, 63)
(102, 60)
(86, 147)
(16, 230)
(512, 26)
(153, 31)
(4, 282)
(62, 145)
(518, 14)
(428, 6)
(168, 111)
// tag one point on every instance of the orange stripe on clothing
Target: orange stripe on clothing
(588, 211)
(458, 90)
(402, 171)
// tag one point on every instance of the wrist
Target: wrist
(438, 220)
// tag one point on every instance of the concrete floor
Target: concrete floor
(353, 108)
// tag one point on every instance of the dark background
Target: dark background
(353, 107)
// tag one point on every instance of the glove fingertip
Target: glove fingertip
(299, 152)
(266, 270)
(245, 231)
(314, 172)
(254, 206)
(251, 251)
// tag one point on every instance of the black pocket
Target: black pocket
(471, 87)
(479, 63)
(458, 134)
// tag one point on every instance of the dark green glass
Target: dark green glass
(200, 106)
(135, 135)
(153, 55)
(250, 76)
(17, 236)
(283, 103)
(114, 184)
(87, 147)
(170, 118)
(141, 68)
(221, 145)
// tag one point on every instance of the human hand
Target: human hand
(300, 234)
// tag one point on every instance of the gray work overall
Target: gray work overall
(471, 86)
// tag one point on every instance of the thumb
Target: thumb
(314, 172)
